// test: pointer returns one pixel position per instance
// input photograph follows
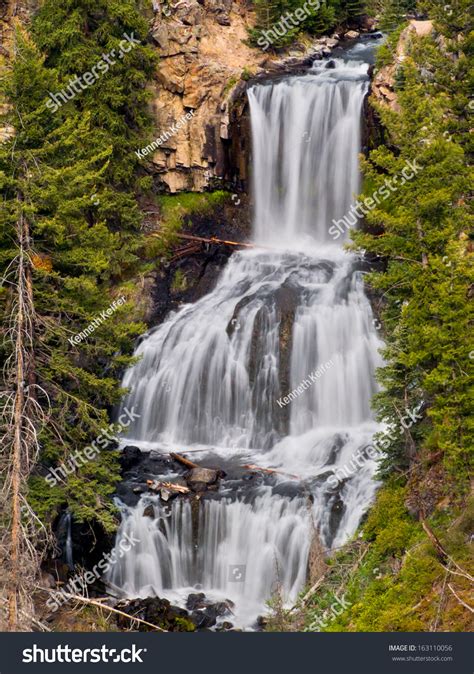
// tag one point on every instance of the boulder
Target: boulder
(351, 35)
(199, 475)
(196, 601)
(129, 457)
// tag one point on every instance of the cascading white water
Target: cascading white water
(306, 135)
(215, 374)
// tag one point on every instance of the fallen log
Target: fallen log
(183, 460)
(271, 471)
(155, 485)
(213, 239)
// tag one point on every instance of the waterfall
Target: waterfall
(274, 367)
(306, 133)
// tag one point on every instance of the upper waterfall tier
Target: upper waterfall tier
(306, 140)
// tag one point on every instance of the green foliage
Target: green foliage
(388, 525)
(271, 30)
(395, 579)
(70, 175)
(74, 35)
(421, 230)
(387, 51)
(393, 14)
(179, 282)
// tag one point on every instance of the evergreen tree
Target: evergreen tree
(321, 20)
(422, 232)
(392, 14)
(76, 35)
(49, 170)
(355, 8)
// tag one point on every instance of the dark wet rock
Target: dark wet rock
(199, 487)
(336, 448)
(129, 457)
(337, 508)
(202, 619)
(222, 608)
(89, 542)
(207, 617)
(290, 489)
(196, 600)
(225, 626)
(331, 64)
(261, 622)
(149, 512)
(372, 36)
(199, 602)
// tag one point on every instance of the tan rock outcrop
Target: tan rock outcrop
(202, 55)
(383, 82)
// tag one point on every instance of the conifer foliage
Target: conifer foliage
(69, 227)
(422, 232)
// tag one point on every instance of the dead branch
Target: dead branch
(270, 471)
(443, 554)
(155, 485)
(183, 460)
(99, 604)
(460, 600)
(213, 240)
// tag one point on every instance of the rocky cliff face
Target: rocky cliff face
(202, 57)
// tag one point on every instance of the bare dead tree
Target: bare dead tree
(20, 421)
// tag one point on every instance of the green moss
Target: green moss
(390, 574)
(247, 73)
(388, 524)
(230, 85)
(174, 211)
(179, 282)
(184, 625)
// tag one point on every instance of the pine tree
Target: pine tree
(422, 232)
(76, 35)
(355, 8)
(322, 19)
(66, 226)
(392, 14)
